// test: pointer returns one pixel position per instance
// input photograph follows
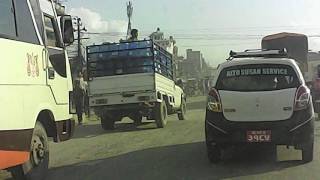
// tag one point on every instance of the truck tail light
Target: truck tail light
(302, 98)
(214, 101)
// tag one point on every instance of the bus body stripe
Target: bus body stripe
(13, 158)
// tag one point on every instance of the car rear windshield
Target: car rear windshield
(259, 77)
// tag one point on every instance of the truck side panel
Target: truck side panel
(122, 89)
(167, 87)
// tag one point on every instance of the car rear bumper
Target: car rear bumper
(294, 131)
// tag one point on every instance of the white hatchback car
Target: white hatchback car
(259, 98)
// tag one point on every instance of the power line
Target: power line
(203, 36)
(228, 29)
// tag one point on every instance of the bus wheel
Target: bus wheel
(37, 166)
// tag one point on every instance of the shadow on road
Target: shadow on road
(186, 161)
(93, 130)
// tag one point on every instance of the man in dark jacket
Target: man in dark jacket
(79, 98)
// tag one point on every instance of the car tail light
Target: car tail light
(214, 101)
(302, 98)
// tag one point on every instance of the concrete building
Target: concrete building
(194, 66)
(195, 59)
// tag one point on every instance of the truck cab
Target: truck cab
(35, 84)
(133, 79)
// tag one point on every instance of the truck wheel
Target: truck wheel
(161, 113)
(307, 152)
(37, 166)
(107, 123)
(137, 118)
(183, 110)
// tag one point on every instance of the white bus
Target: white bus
(35, 84)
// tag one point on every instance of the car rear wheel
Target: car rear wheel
(161, 113)
(214, 153)
(183, 110)
(307, 152)
(37, 166)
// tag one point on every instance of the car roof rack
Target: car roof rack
(266, 53)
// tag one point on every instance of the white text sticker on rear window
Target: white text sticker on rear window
(257, 71)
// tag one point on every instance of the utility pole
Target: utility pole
(79, 38)
(79, 30)
(80, 60)
(129, 14)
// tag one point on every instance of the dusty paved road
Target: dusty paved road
(176, 152)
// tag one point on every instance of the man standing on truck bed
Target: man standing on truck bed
(134, 35)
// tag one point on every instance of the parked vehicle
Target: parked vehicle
(259, 97)
(35, 85)
(133, 79)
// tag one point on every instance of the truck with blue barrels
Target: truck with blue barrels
(135, 80)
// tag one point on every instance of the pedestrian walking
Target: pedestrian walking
(79, 92)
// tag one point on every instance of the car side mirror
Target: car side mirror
(67, 29)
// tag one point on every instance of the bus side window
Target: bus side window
(54, 42)
(50, 31)
(7, 20)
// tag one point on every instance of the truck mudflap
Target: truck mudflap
(14, 147)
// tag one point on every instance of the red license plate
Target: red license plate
(259, 136)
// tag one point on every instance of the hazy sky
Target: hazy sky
(212, 26)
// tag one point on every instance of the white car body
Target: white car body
(270, 103)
